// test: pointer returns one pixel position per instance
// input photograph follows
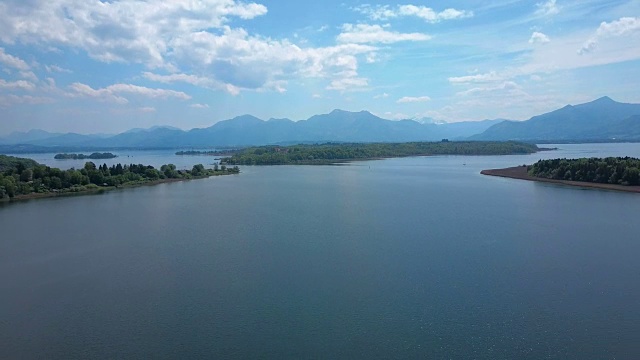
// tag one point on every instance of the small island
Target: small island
(26, 179)
(332, 153)
(94, 156)
(207, 153)
(612, 173)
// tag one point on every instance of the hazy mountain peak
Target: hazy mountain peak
(246, 117)
(599, 119)
(604, 99)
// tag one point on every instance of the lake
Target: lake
(393, 259)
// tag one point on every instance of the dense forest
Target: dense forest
(333, 153)
(94, 156)
(611, 170)
(24, 176)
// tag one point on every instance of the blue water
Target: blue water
(398, 258)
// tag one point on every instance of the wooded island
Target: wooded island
(334, 153)
(94, 156)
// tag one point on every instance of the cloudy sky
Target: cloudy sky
(108, 66)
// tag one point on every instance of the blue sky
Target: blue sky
(92, 66)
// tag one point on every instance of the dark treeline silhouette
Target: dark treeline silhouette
(611, 170)
(332, 153)
(94, 156)
(25, 176)
(210, 152)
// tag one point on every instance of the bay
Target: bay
(400, 258)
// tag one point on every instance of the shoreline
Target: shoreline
(100, 190)
(520, 173)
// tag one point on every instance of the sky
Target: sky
(91, 66)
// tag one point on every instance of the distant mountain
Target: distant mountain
(600, 119)
(337, 126)
(19, 137)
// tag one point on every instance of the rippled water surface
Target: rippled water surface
(399, 258)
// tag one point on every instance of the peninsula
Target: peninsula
(612, 173)
(22, 178)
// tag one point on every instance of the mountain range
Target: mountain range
(600, 120)
(337, 126)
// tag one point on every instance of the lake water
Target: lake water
(399, 258)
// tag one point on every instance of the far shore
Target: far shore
(520, 172)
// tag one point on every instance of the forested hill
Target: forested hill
(333, 153)
(611, 170)
(10, 162)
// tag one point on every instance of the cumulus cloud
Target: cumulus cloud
(478, 78)
(547, 8)
(373, 34)
(385, 12)
(199, 106)
(12, 61)
(147, 109)
(125, 31)
(381, 96)
(623, 26)
(180, 36)
(538, 38)
(411, 99)
(113, 93)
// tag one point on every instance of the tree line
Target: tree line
(610, 170)
(332, 152)
(93, 156)
(24, 176)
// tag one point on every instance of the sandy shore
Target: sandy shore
(520, 172)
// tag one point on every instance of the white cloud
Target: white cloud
(83, 90)
(147, 92)
(508, 86)
(425, 13)
(547, 8)
(199, 106)
(373, 34)
(538, 38)
(122, 31)
(381, 96)
(395, 116)
(478, 78)
(56, 68)
(29, 75)
(17, 85)
(12, 61)
(147, 109)
(194, 38)
(348, 83)
(113, 93)
(410, 99)
(623, 26)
